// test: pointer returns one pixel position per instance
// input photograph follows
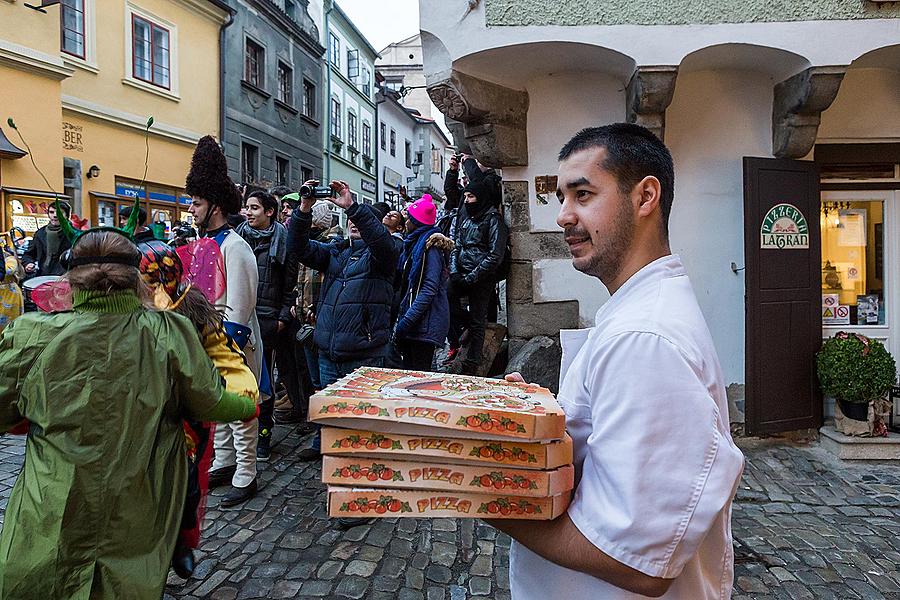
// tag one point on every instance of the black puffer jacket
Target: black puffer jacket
(276, 292)
(353, 316)
(480, 246)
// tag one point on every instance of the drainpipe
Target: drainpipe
(225, 25)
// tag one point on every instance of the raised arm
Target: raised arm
(311, 253)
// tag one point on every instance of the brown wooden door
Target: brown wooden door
(783, 301)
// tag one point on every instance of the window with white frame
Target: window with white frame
(285, 84)
(352, 139)
(254, 64)
(367, 139)
(352, 63)
(335, 118)
(309, 99)
(282, 171)
(150, 51)
(335, 51)
(366, 82)
(73, 27)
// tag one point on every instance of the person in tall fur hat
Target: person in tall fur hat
(214, 197)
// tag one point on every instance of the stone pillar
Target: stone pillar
(493, 118)
(648, 95)
(525, 317)
(797, 109)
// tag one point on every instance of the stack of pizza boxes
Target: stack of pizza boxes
(412, 444)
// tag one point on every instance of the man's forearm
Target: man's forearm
(560, 542)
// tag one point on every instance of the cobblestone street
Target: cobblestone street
(805, 525)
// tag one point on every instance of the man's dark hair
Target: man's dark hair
(267, 200)
(142, 214)
(382, 209)
(65, 206)
(632, 153)
(280, 191)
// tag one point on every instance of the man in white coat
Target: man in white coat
(213, 198)
(656, 468)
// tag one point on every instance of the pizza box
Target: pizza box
(521, 455)
(368, 502)
(419, 403)
(481, 479)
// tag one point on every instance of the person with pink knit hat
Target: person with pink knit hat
(424, 316)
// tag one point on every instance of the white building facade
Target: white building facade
(396, 154)
(812, 87)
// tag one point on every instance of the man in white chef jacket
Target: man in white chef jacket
(656, 468)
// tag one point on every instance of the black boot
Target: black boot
(236, 495)
(183, 561)
(220, 477)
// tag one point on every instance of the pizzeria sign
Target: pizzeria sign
(784, 228)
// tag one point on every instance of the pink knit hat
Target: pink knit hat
(423, 210)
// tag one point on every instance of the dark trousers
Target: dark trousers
(417, 356)
(474, 319)
(292, 370)
(268, 328)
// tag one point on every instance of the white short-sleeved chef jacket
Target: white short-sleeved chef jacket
(656, 468)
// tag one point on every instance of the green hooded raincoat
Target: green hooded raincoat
(96, 510)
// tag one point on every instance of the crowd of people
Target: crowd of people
(301, 303)
(271, 302)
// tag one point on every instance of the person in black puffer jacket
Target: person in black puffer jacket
(480, 246)
(275, 295)
(353, 316)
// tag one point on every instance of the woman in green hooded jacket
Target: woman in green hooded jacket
(96, 509)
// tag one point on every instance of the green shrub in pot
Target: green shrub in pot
(855, 369)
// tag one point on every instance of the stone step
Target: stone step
(860, 448)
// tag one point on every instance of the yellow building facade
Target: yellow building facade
(81, 81)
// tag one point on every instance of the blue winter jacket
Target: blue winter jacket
(353, 316)
(425, 311)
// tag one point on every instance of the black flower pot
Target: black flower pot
(857, 411)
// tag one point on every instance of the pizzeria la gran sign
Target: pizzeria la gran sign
(784, 228)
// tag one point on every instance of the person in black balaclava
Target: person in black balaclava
(478, 254)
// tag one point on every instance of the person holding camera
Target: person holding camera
(353, 314)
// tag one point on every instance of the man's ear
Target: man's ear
(649, 193)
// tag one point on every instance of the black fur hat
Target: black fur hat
(208, 177)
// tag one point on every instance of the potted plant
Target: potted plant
(855, 371)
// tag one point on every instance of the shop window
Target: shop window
(150, 52)
(309, 99)
(72, 27)
(853, 269)
(254, 63)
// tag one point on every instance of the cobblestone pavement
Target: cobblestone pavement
(805, 524)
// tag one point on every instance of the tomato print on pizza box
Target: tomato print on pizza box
(480, 479)
(370, 502)
(385, 446)
(418, 403)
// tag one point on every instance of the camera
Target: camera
(315, 191)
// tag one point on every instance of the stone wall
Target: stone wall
(681, 12)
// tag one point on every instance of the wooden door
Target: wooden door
(783, 298)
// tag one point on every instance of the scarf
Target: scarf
(54, 237)
(275, 233)
(412, 260)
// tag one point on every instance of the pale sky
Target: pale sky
(383, 22)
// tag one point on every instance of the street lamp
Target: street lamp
(415, 169)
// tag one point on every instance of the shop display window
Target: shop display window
(853, 266)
